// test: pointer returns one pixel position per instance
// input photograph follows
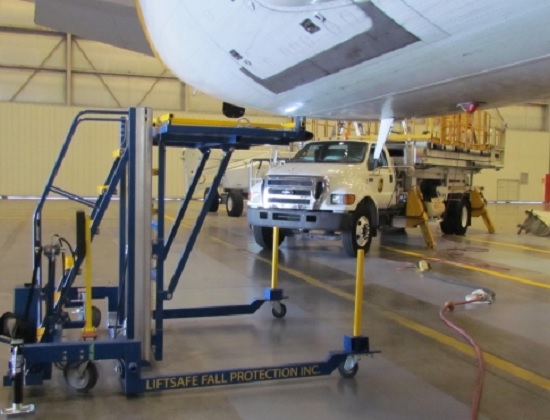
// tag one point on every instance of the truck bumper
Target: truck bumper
(297, 219)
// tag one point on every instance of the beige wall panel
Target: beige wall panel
(165, 94)
(524, 117)
(89, 158)
(107, 58)
(89, 90)
(32, 135)
(42, 87)
(30, 141)
(17, 13)
(10, 82)
(526, 152)
(31, 50)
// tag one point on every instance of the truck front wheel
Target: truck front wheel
(264, 236)
(234, 204)
(358, 235)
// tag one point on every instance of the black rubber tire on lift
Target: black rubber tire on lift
(96, 316)
(280, 313)
(347, 373)
(457, 218)
(263, 236)
(358, 235)
(214, 206)
(81, 382)
(235, 203)
(446, 225)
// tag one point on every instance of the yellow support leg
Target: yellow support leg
(417, 216)
(358, 292)
(275, 259)
(89, 330)
(427, 234)
(488, 223)
(479, 209)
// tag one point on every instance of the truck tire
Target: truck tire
(457, 217)
(235, 203)
(264, 236)
(215, 202)
(358, 235)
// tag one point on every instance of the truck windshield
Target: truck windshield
(334, 152)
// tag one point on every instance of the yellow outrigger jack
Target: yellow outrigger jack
(417, 216)
(479, 208)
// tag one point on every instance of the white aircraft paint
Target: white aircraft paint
(337, 59)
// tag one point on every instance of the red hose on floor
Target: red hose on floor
(476, 400)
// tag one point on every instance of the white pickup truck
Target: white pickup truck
(337, 188)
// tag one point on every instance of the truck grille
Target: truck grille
(291, 192)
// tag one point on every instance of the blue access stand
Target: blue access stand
(42, 303)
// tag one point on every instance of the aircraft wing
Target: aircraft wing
(112, 22)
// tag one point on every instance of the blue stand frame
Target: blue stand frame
(40, 356)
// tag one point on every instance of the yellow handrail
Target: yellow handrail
(475, 131)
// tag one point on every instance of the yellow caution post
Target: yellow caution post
(359, 269)
(274, 294)
(275, 259)
(356, 344)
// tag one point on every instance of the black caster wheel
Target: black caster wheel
(348, 372)
(96, 316)
(81, 377)
(279, 311)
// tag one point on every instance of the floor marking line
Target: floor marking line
(490, 359)
(528, 248)
(471, 267)
(172, 219)
(461, 347)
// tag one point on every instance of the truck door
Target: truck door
(381, 177)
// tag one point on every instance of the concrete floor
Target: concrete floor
(423, 372)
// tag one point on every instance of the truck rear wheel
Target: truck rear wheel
(264, 236)
(457, 217)
(358, 235)
(215, 202)
(234, 204)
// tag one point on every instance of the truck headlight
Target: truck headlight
(342, 199)
(255, 196)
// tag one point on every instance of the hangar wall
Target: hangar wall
(40, 66)
(32, 135)
(526, 162)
